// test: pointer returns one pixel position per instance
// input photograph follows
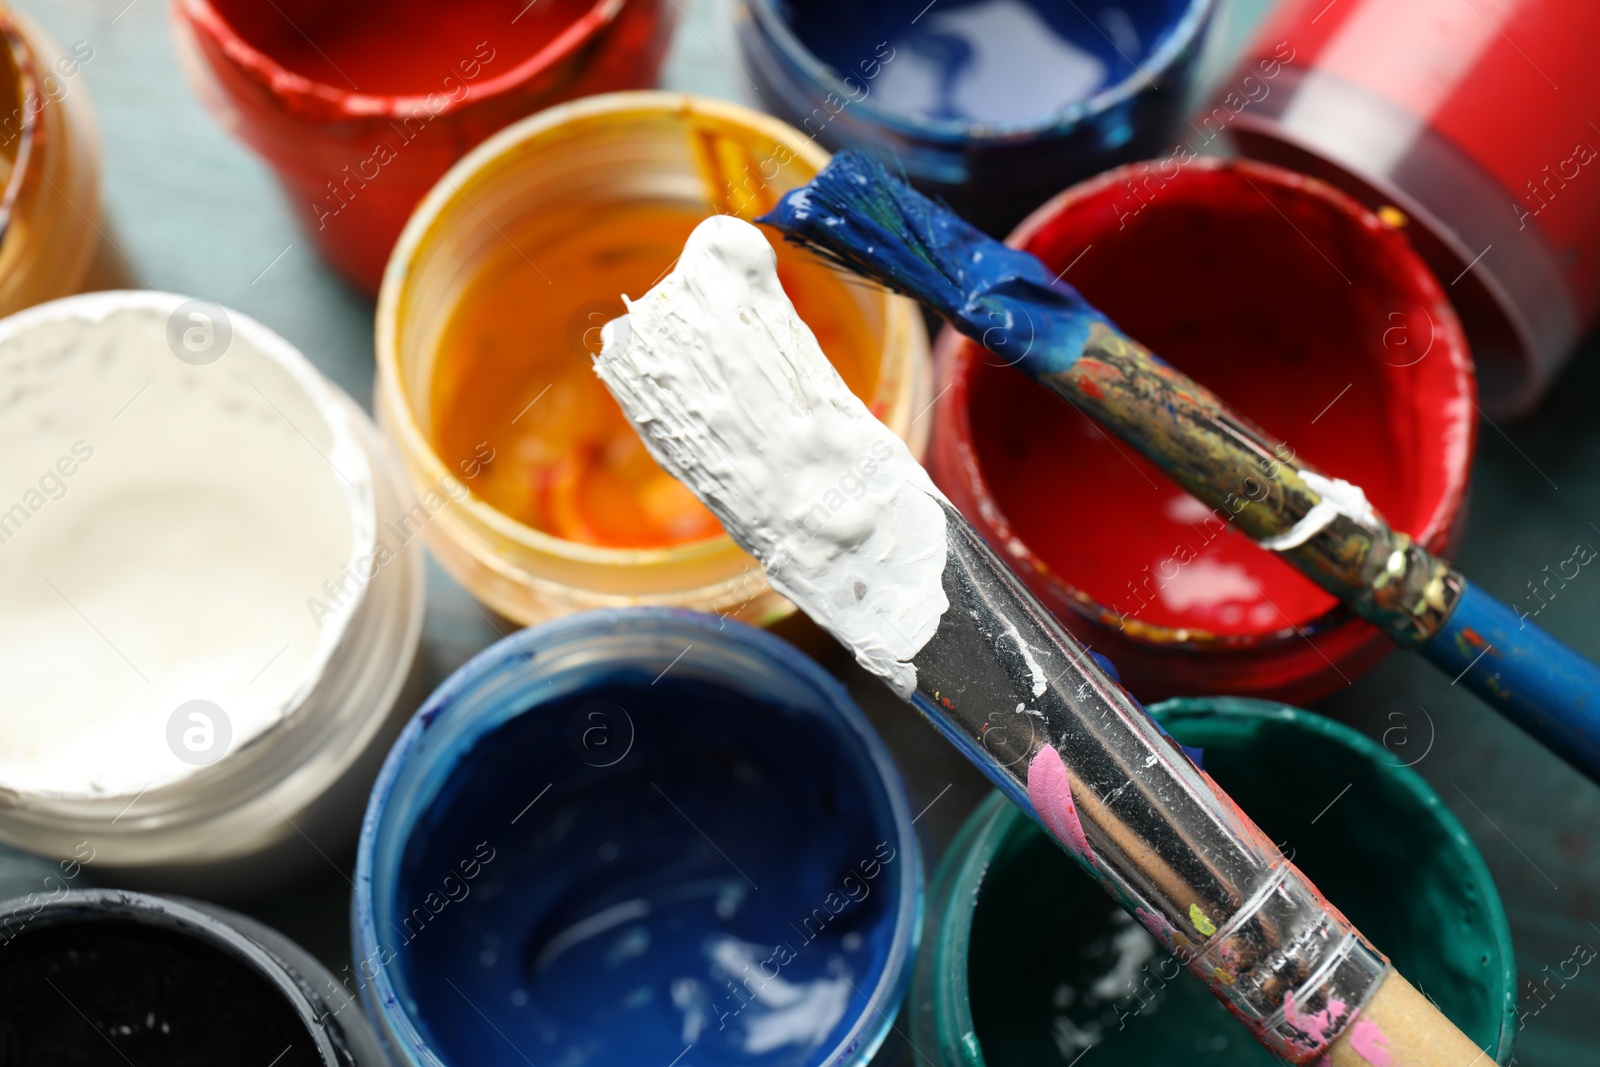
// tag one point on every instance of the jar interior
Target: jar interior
(579, 858)
(1510, 377)
(154, 993)
(1295, 314)
(14, 127)
(399, 47)
(990, 62)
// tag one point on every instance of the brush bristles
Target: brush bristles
(857, 213)
(733, 396)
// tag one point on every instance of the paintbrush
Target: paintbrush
(860, 215)
(733, 396)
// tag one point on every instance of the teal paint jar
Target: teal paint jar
(1025, 960)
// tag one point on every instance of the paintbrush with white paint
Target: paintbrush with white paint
(733, 395)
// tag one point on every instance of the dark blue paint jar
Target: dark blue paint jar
(637, 836)
(993, 105)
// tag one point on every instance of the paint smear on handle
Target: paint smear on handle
(1317, 1030)
(1368, 1041)
(1156, 923)
(1050, 792)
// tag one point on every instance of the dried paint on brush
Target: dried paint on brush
(1050, 793)
(1023, 313)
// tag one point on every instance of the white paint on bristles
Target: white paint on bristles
(732, 394)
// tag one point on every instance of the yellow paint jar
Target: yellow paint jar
(49, 166)
(532, 489)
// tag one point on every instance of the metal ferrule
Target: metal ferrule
(1400, 586)
(1161, 837)
(1323, 527)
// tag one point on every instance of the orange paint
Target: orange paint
(514, 373)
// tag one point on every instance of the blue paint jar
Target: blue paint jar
(637, 836)
(993, 105)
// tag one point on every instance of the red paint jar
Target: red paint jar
(1301, 308)
(1478, 120)
(360, 106)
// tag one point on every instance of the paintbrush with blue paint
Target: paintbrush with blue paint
(860, 215)
(732, 395)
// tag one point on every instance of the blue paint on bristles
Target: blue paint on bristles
(858, 213)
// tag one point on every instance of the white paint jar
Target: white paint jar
(212, 604)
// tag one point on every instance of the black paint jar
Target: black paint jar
(103, 976)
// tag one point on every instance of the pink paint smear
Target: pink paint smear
(1320, 1028)
(1369, 1042)
(1050, 792)
(1156, 923)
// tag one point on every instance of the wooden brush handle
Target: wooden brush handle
(1400, 1027)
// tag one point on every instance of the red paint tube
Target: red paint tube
(1476, 120)
(360, 107)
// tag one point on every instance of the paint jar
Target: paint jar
(490, 318)
(627, 833)
(1307, 313)
(993, 106)
(360, 106)
(1454, 117)
(1085, 975)
(49, 166)
(209, 613)
(166, 981)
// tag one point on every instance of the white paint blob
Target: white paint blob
(733, 396)
(162, 526)
(1339, 497)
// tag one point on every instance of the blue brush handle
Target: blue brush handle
(1536, 681)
